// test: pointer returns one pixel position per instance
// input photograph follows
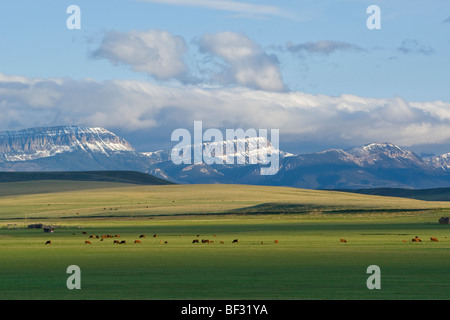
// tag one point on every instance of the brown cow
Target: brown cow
(416, 239)
(48, 242)
(142, 236)
(155, 235)
(195, 241)
(87, 242)
(434, 239)
(116, 242)
(137, 241)
(235, 241)
(221, 242)
(117, 236)
(276, 241)
(205, 241)
(343, 240)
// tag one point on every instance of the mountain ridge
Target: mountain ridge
(78, 148)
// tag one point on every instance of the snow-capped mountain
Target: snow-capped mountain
(35, 143)
(75, 148)
(442, 161)
(247, 150)
(385, 155)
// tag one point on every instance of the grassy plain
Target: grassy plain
(309, 262)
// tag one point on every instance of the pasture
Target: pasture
(308, 262)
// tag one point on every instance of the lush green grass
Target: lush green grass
(309, 262)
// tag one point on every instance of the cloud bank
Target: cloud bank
(131, 106)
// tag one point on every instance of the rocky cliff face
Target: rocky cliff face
(35, 143)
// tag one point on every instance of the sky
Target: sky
(312, 69)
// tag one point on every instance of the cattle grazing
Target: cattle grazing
(48, 242)
(276, 241)
(416, 239)
(433, 239)
(166, 242)
(137, 241)
(116, 236)
(155, 235)
(123, 242)
(205, 241)
(221, 242)
(142, 236)
(84, 232)
(92, 236)
(116, 242)
(104, 237)
(235, 241)
(343, 240)
(195, 241)
(444, 220)
(87, 242)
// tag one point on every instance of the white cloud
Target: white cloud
(161, 54)
(249, 9)
(154, 52)
(246, 63)
(131, 106)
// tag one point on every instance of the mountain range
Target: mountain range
(78, 148)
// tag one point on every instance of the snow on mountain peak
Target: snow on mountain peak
(381, 153)
(218, 149)
(35, 143)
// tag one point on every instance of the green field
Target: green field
(309, 262)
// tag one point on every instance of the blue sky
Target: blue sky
(251, 53)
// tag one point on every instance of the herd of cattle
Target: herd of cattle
(137, 241)
(415, 239)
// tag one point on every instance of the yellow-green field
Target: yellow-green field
(308, 262)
